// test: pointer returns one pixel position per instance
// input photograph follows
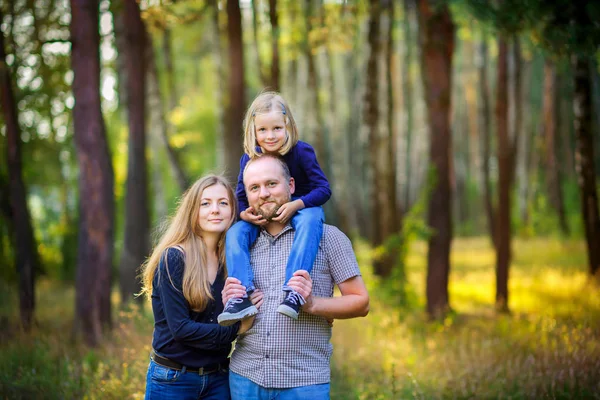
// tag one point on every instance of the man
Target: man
(280, 357)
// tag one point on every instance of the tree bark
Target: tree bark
(550, 126)
(486, 135)
(255, 23)
(275, 85)
(157, 114)
(584, 161)
(26, 255)
(137, 215)
(436, 31)
(96, 180)
(232, 139)
(407, 85)
(504, 154)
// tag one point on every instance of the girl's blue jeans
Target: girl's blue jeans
(308, 224)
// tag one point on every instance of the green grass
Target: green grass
(548, 347)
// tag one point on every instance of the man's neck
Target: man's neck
(274, 228)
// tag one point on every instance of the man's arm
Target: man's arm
(354, 301)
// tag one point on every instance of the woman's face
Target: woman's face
(215, 209)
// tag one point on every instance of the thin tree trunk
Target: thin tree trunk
(157, 116)
(382, 217)
(232, 139)
(274, 45)
(392, 137)
(169, 69)
(437, 40)
(320, 131)
(407, 85)
(503, 228)
(549, 122)
(584, 161)
(486, 135)
(137, 216)
(26, 255)
(96, 180)
(255, 23)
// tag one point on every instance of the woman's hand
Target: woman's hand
(287, 211)
(249, 215)
(233, 288)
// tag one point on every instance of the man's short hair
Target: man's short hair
(277, 158)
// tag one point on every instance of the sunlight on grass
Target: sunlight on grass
(548, 347)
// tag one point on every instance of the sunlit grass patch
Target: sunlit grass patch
(548, 348)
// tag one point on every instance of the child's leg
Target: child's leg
(308, 224)
(240, 237)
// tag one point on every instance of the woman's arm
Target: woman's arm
(177, 311)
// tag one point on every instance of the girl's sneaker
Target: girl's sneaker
(290, 306)
(236, 309)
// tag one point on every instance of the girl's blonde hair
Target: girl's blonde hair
(263, 104)
(183, 230)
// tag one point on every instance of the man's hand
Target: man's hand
(301, 282)
(287, 211)
(250, 215)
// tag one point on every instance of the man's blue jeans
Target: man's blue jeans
(308, 224)
(163, 383)
(244, 389)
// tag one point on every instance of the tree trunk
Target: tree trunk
(407, 85)
(137, 216)
(26, 255)
(503, 229)
(391, 149)
(96, 180)
(552, 171)
(157, 116)
(255, 23)
(436, 31)
(584, 161)
(486, 135)
(275, 85)
(232, 138)
(320, 129)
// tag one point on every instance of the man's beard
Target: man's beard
(269, 213)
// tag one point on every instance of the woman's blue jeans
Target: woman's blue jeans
(163, 383)
(308, 224)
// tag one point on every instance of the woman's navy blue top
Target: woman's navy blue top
(312, 186)
(193, 339)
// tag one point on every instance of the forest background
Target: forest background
(459, 138)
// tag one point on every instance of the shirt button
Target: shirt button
(268, 334)
(267, 356)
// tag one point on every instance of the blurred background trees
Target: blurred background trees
(431, 119)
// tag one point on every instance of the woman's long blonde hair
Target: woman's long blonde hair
(262, 104)
(183, 229)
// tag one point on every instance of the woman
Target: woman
(184, 277)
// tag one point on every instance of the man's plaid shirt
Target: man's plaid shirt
(279, 352)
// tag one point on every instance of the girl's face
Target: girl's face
(270, 131)
(215, 210)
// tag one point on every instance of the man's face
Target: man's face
(266, 187)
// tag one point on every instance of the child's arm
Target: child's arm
(246, 212)
(320, 191)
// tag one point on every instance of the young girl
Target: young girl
(269, 127)
(184, 278)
